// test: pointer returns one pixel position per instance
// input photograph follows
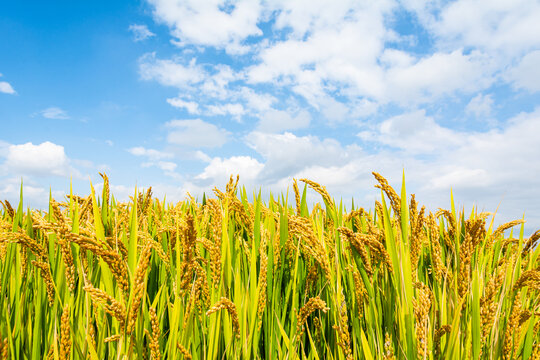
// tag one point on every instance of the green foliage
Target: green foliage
(232, 279)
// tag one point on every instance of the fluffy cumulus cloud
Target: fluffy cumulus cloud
(508, 26)
(219, 170)
(42, 168)
(6, 87)
(45, 159)
(218, 24)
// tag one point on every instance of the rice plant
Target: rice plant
(226, 278)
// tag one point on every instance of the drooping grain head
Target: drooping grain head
(312, 305)
(227, 304)
(45, 271)
(109, 304)
(395, 200)
(321, 190)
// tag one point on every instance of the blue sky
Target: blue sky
(181, 94)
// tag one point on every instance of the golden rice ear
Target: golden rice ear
(65, 335)
(321, 190)
(227, 304)
(395, 200)
(297, 197)
(155, 335)
(313, 304)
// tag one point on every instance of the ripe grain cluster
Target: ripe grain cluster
(226, 278)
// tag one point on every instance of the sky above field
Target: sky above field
(178, 95)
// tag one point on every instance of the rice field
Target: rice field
(226, 278)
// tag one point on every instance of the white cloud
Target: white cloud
(195, 133)
(191, 106)
(391, 58)
(34, 195)
(54, 112)
(235, 110)
(170, 72)
(217, 84)
(460, 177)
(219, 24)
(257, 101)
(286, 154)
(338, 28)
(333, 110)
(220, 169)
(341, 58)
(151, 154)
(339, 35)
(369, 71)
(526, 74)
(279, 120)
(166, 166)
(140, 32)
(480, 106)
(6, 88)
(509, 26)
(156, 158)
(437, 75)
(200, 155)
(515, 146)
(413, 132)
(45, 159)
